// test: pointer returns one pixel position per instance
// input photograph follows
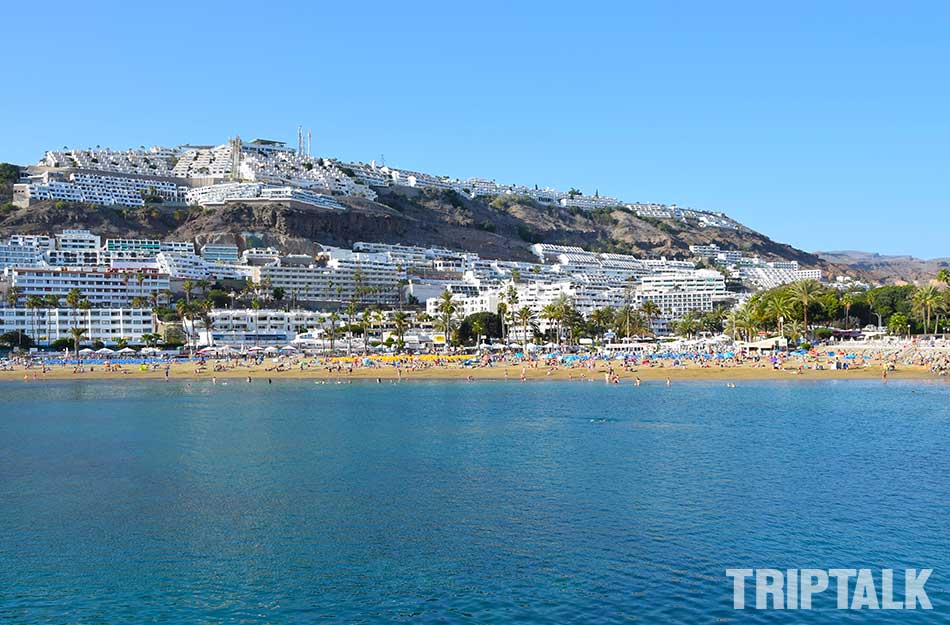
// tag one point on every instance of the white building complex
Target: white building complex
(102, 287)
(108, 325)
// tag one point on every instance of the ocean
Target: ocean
(455, 502)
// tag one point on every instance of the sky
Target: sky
(822, 124)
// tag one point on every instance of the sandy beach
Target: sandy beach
(502, 371)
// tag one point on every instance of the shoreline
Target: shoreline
(184, 371)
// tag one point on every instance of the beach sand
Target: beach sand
(452, 372)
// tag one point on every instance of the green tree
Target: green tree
(806, 293)
(898, 323)
(650, 311)
(926, 300)
(445, 318)
(525, 317)
(77, 334)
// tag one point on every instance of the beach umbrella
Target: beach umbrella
(288, 348)
(255, 349)
(105, 351)
(126, 350)
(86, 350)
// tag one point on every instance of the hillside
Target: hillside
(892, 269)
(500, 228)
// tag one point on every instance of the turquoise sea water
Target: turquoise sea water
(450, 502)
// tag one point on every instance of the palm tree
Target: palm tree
(551, 313)
(76, 334)
(50, 302)
(525, 317)
(350, 313)
(925, 300)
(401, 321)
(333, 319)
(778, 307)
(502, 311)
(186, 312)
(13, 296)
(366, 322)
(85, 305)
(650, 311)
(478, 329)
(806, 293)
(624, 320)
(444, 321)
(688, 325)
(73, 298)
(602, 318)
(188, 286)
(511, 302)
(33, 303)
(847, 300)
(205, 308)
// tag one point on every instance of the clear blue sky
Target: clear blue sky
(825, 124)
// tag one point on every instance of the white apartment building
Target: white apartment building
(550, 253)
(102, 287)
(705, 250)
(341, 280)
(78, 240)
(249, 328)
(194, 267)
(20, 256)
(769, 277)
(679, 293)
(213, 195)
(96, 188)
(153, 162)
(467, 304)
(40, 241)
(220, 252)
(149, 247)
(204, 163)
(302, 196)
(101, 324)
(588, 202)
(75, 258)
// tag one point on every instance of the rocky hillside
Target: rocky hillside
(499, 228)
(891, 269)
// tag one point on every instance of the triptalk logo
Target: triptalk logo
(793, 589)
